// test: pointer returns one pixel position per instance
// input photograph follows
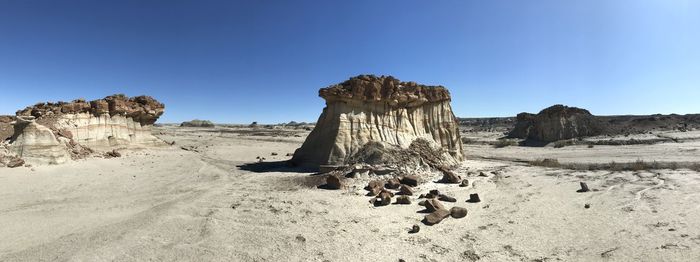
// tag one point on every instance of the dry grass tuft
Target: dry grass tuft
(638, 165)
(547, 162)
(501, 143)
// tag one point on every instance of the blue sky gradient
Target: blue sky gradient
(244, 61)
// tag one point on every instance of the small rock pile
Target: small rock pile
(10, 161)
(380, 191)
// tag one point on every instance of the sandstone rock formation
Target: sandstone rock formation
(555, 123)
(52, 133)
(6, 129)
(197, 123)
(385, 113)
(37, 143)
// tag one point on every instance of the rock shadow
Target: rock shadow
(275, 166)
(533, 143)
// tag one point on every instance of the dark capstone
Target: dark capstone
(458, 212)
(447, 198)
(414, 229)
(410, 180)
(474, 198)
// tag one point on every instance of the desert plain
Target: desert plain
(210, 196)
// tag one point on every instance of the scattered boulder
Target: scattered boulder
(113, 153)
(15, 162)
(434, 192)
(464, 183)
(447, 198)
(374, 191)
(384, 198)
(375, 184)
(393, 183)
(436, 216)
(374, 187)
(333, 181)
(414, 229)
(403, 200)
(584, 188)
(406, 190)
(433, 204)
(450, 177)
(410, 180)
(458, 212)
(474, 198)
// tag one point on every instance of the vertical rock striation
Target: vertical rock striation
(382, 109)
(55, 132)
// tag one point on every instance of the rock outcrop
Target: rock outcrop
(555, 123)
(197, 123)
(6, 129)
(382, 110)
(53, 133)
(36, 143)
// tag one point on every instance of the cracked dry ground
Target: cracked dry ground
(169, 204)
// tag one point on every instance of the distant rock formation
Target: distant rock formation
(52, 133)
(382, 109)
(197, 123)
(555, 123)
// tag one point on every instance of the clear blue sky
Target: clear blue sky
(260, 60)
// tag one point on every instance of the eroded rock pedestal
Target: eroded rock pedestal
(555, 123)
(383, 110)
(53, 133)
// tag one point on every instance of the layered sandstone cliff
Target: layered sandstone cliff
(382, 109)
(53, 133)
(555, 123)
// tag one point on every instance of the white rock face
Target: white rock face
(367, 109)
(37, 144)
(105, 131)
(53, 133)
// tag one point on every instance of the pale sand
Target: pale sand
(168, 204)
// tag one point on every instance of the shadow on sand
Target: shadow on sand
(275, 166)
(533, 143)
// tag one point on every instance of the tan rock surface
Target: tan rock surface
(53, 133)
(555, 123)
(380, 109)
(36, 143)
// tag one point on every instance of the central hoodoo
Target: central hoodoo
(384, 111)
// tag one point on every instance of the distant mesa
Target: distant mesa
(558, 122)
(53, 133)
(197, 123)
(379, 120)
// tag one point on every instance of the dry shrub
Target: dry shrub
(562, 143)
(501, 143)
(695, 167)
(466, 140)
(639, 165)
(547, 162)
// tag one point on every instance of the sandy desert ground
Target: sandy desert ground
(212, 202)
